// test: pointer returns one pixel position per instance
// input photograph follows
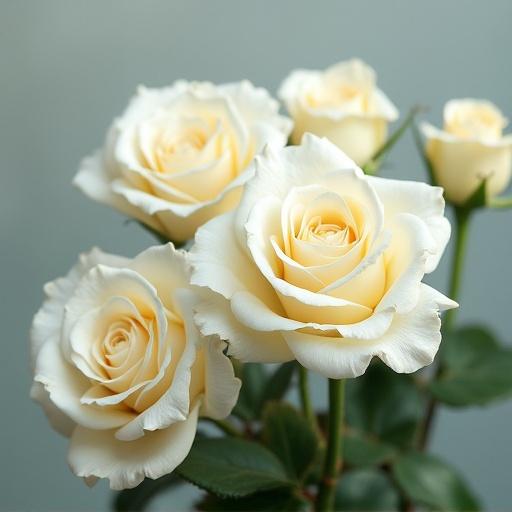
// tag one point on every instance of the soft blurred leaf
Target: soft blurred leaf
(253, 378)
(359, 450)
(384, 405)
(290, 437)
(366, 489)
(258, 388)
(278, 383)
(476, 369)
(427, 480)
(278, 500)
(232, 467)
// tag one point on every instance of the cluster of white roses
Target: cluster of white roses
(297, 255)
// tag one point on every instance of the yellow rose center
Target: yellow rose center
(327, 233)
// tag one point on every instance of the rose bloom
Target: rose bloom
(470, 148)
(341, 103)
(179, 155)
(323, 264)
(121, 369)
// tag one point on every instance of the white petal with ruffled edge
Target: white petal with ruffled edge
(214, 317)
(410, 343)
(420, 199)
(221, 385)
(99, 454)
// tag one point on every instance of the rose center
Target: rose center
(327, 233)
(479, 122)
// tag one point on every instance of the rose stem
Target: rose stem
(333, 454)
(462, 218)
(305, 398)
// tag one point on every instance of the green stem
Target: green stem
(375, 162)
(333, 454)
(305, 398)
(462, 218)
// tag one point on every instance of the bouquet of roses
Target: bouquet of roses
(277, 244)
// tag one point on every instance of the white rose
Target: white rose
(341, 103)
(323, 264)
(121, 369)
(179, 156)
(470, 148)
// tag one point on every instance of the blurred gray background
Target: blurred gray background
(67, 68)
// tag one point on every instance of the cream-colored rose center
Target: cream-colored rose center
(170, 147)
(475, 121)
(130, 357)
(328, 245)
(192, 152)
(343, 97)
(316, 230)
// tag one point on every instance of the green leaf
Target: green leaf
(384, 405)
(366, 489)
(429, 481)
(253, 378)
(282, 499)
(258, 388)
(290, 437)
(138, 498)
(277, 385)
(476, 369)
(232, 467)
(360, 451)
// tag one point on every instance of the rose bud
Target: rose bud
(341, 103)
(469, 149)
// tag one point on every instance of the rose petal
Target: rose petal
(58, 420)
(214, 317)
(219, 263)
(94, 182)
(410, 343)
(420, 199)
(221, 385)
(65, 387)
(173, 404)
(94, 453)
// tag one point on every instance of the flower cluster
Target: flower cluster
(294, 254)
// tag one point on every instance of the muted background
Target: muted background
(68, 67)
